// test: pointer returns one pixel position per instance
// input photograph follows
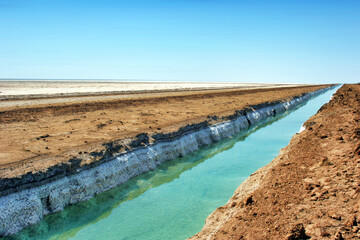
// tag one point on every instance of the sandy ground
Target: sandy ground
(36, 137)
(310, 191)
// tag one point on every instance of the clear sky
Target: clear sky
(292, 41)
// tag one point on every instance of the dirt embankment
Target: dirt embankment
(43, 143)
(57, 132)
(311, 190)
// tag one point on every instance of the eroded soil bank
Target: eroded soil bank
(35, 138)
(311, 190)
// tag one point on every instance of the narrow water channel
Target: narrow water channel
(173, 201)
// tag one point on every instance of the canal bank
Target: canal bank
(214, 133)
(310, 190)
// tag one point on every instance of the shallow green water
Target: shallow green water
(173, 201)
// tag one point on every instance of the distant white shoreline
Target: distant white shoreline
(84, 80)
(49, 87)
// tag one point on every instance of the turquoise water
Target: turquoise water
(173, 201)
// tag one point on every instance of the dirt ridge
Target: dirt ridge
(310, 190)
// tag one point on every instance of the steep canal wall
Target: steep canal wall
(26, 204)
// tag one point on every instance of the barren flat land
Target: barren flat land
(310, 191)
(37, 133)
(65, 88)
(27, 93)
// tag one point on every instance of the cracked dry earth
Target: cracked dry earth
(310, 191)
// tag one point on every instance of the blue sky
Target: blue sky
(293, 41)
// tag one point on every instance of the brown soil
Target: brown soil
(34, 138)
(311, 190)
